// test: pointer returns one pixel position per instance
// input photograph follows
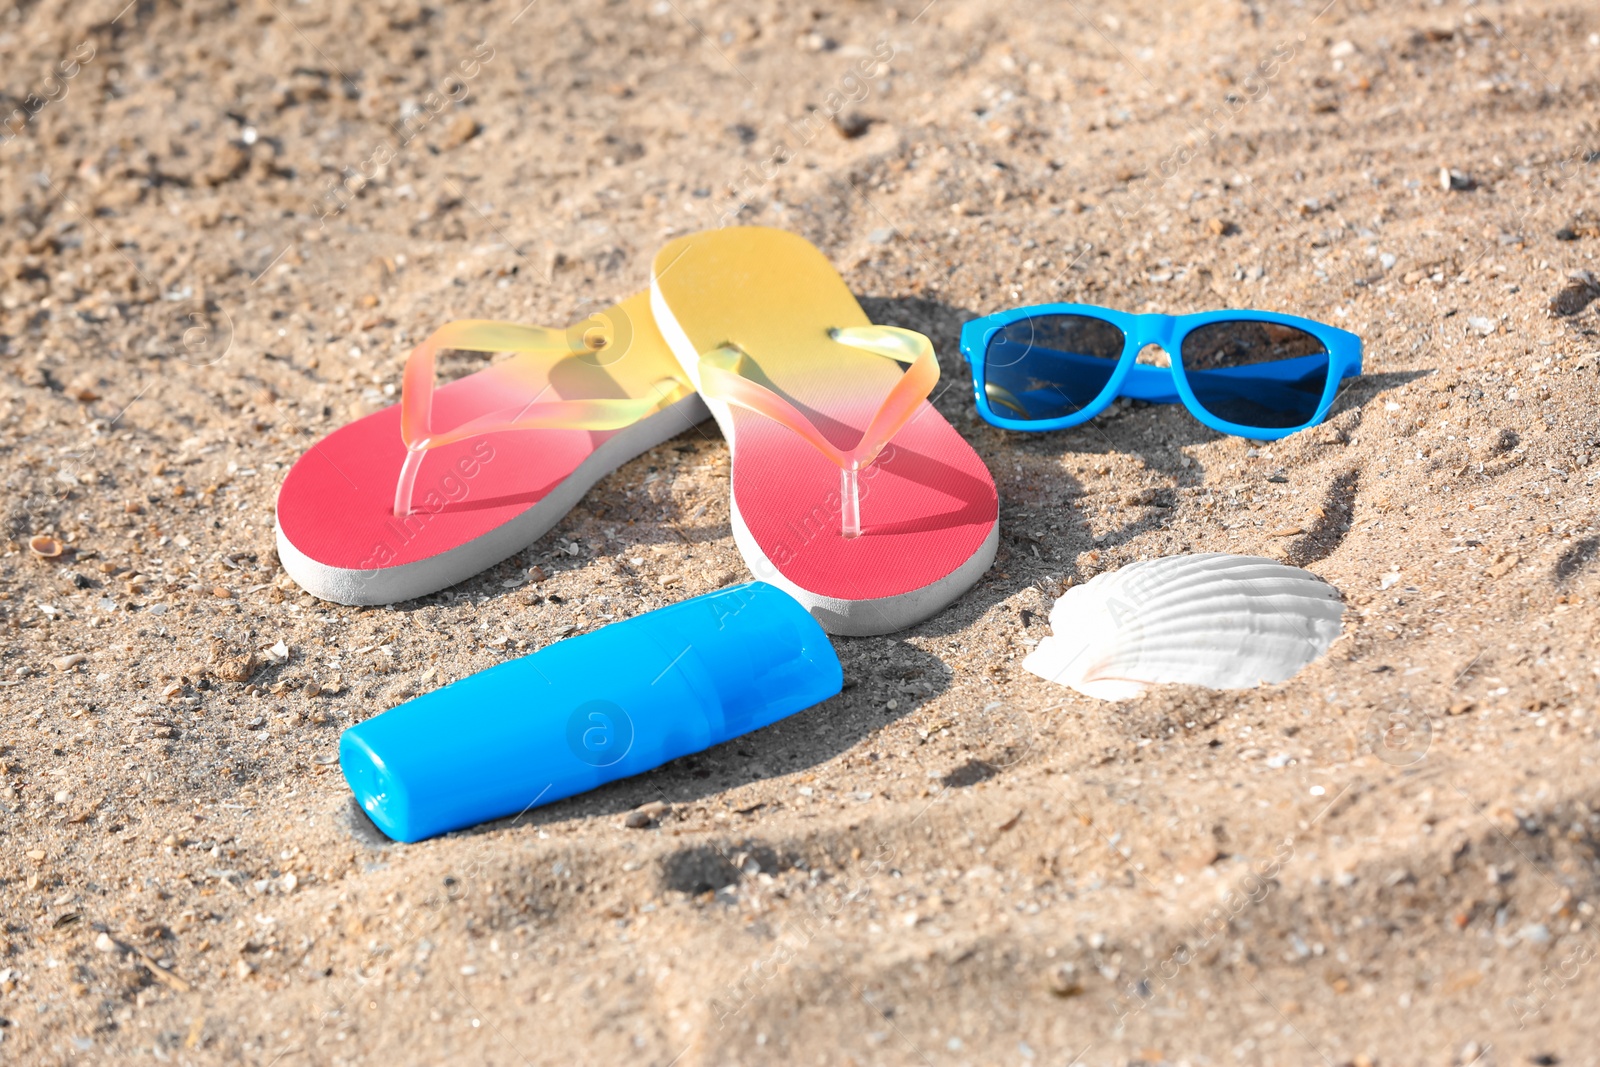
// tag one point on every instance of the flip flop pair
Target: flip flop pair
(849, 490)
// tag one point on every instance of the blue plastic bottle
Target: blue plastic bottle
(589, 710)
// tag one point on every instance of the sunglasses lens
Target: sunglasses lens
(1049, 366)
(1254, 373)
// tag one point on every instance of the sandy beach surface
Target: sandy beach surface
(223, 227)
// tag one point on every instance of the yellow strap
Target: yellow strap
(722, 378)
(483, 335)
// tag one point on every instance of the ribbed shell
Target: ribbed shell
(1213, 619)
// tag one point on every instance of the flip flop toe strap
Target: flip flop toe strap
(723, 377)
(482, 335)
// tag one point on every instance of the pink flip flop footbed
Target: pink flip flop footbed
(428, 492)
(849, 490)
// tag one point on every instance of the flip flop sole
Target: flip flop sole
(873, 616)
(367, 585)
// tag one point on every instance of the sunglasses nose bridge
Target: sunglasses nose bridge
(1165, 332)
(1158, 330)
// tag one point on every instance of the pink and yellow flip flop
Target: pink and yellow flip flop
(455, 478)
(850, 491)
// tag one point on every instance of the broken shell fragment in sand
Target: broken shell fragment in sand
(1213, 619)
(46, 547)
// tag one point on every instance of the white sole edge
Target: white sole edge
(846, 618)
(390, 585)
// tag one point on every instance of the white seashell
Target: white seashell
(1216, 620)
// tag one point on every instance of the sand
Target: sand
(223, 227)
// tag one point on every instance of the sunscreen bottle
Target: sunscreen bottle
(588, 710)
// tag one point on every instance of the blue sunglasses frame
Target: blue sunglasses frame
(1162, 385)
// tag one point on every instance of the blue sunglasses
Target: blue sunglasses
(1254, 374)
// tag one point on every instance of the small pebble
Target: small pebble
(641, 817)
(236, 668)
(1537, 933)
(463, 129)
(1063, 981)
(851, 125)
